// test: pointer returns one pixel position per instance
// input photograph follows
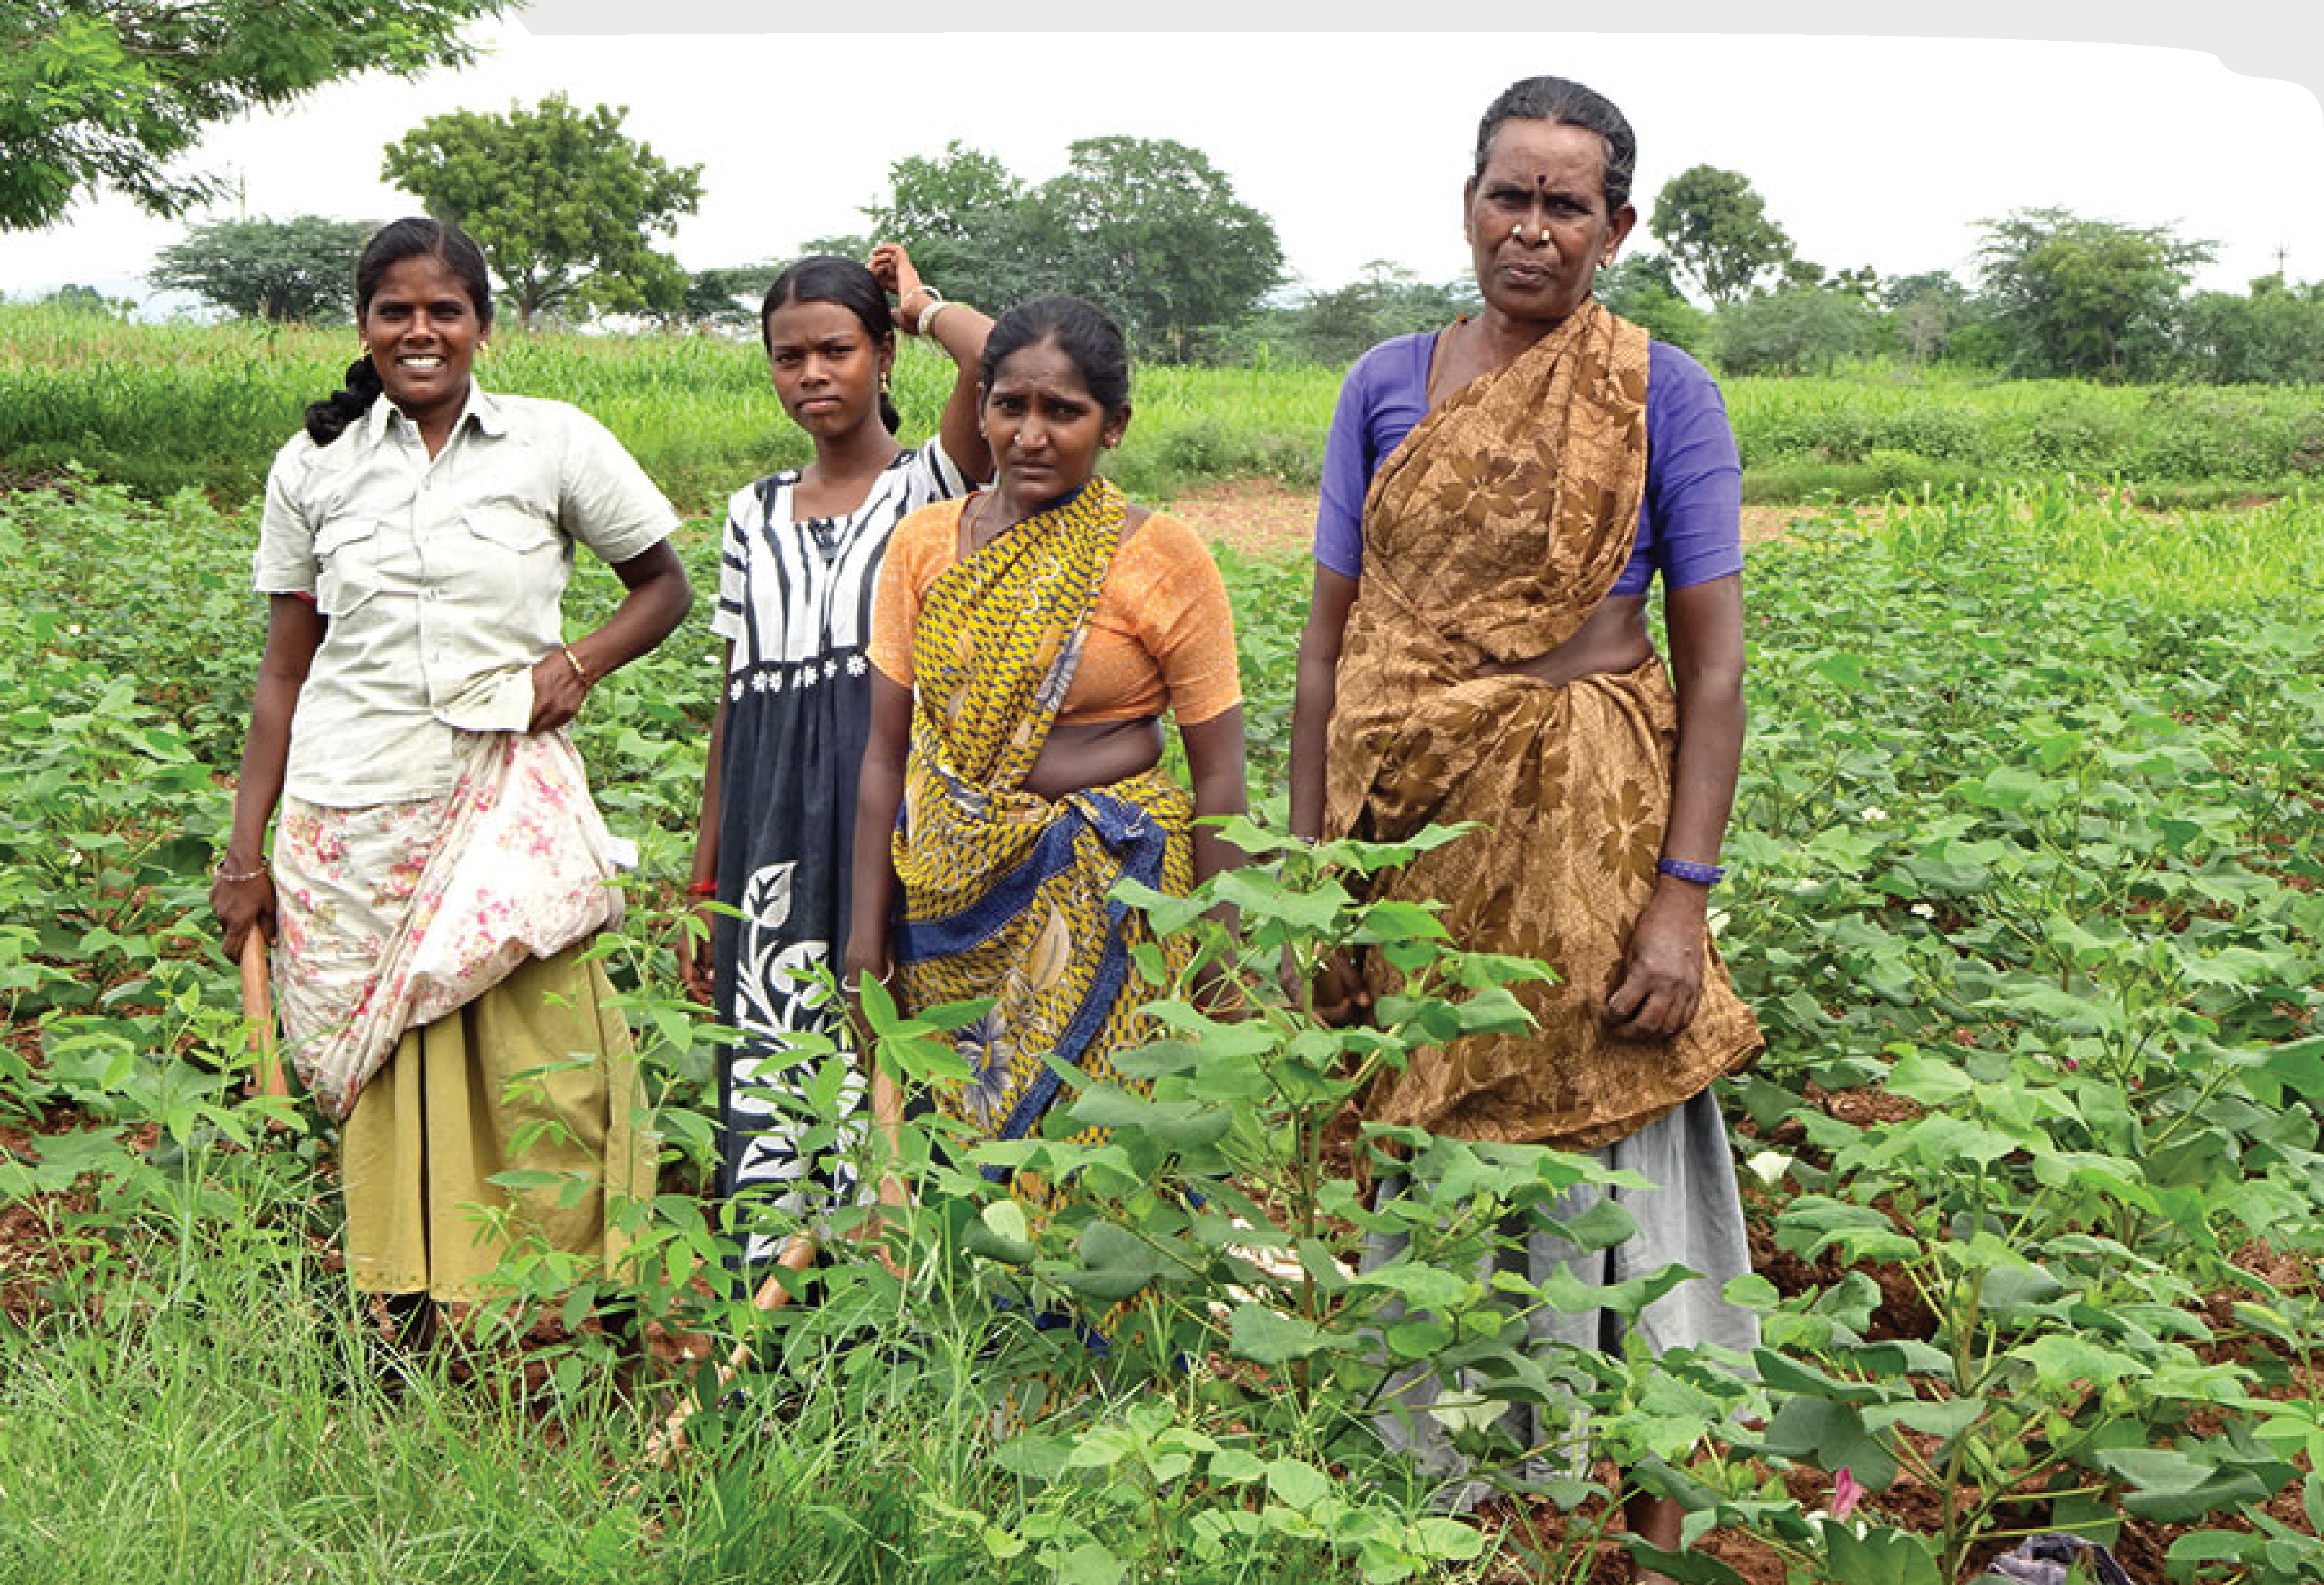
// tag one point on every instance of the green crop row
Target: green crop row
(2024, 893)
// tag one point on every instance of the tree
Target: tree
(108, 92)
(1334, 326)
(964, 218)
(274, 270)
(2095, 298)
(1716, 229)
(1152, 230)
(1642, 289)
(1793, 331)
(74, 298)
(2275, 334)
(1147, 228)
(726, 298)
(561, 202)
(1926, 309)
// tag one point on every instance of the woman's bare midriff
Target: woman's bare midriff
(1093, 754)
(1613, 638)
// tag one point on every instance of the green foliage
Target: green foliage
(1714, 227)
(164, 407)
(108, 93)
(966, 217)
(1147, 228)
(2094, 298)
(2276, 334)
(727, 299)
(302, 268)
(2027, 848)
(561, 202)
(1643, 289)
(1794, 331)
(1337, 327)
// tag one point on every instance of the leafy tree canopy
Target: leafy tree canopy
(1151, 230)
(2277, 334)
(1797, 330)
(1147, 227)
(1643, 288)
(276, 269)
(561, 202)
(726, 298)
(1334, 326)
(1715, 228)
(109, 92)
(2094, 298)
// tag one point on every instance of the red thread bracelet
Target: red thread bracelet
(703, 889)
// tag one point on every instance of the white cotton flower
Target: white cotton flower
(1874, 814)
(1922, 911)
(1769, 1166)
(73, 628)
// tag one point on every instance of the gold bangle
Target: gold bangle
(219, 873)
(574, 661)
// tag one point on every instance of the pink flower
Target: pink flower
(1845, 1495)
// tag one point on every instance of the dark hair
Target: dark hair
(1083, 331)
(1559, 99)
(822, 277)
(413, 237)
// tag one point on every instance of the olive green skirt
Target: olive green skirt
(537, 1075)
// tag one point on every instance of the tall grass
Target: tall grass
(158, 407)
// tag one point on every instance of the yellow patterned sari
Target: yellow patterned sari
(1489, 536)
(1005, 892)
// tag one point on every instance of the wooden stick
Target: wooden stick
(258, 1007)
(669, 1439)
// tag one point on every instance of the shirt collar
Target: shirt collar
(480, 407)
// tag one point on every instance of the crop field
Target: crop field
(156, 407)
(2025, 865)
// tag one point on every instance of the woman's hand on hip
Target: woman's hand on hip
(1661, 979)
(242, 907)
(557, 692)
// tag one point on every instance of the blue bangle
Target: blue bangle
(1686, 869)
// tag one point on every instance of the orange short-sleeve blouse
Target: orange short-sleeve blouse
(1161, 635)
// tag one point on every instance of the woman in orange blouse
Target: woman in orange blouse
(1026, 643)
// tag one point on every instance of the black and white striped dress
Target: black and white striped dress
(795, 597)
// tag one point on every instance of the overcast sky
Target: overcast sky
(1869, 150)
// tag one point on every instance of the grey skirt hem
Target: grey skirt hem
(1692, 1216)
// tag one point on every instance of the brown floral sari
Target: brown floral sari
(1489, 536)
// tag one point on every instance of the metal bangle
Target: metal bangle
(579, 670)
(937, 305)
(219, 873)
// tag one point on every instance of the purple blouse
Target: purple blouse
(1690, 522)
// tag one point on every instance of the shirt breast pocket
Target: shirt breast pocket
(511, 549)
(346, 565)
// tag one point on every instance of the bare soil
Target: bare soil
(1265, 519)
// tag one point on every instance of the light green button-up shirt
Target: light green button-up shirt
(439, 578)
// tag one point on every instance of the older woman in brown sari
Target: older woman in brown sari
(1497, 496)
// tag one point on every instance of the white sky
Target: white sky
(1878, 151)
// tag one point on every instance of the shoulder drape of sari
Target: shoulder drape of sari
(396, 915)
(1491, 535)
(1005, 893)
